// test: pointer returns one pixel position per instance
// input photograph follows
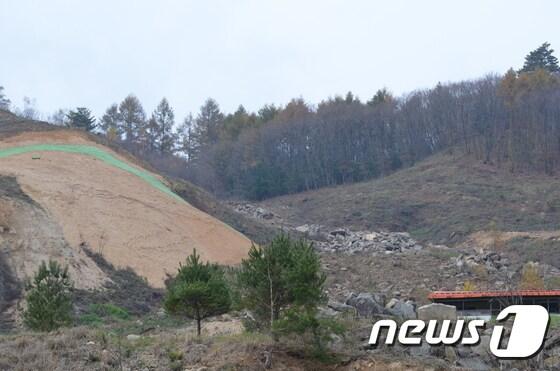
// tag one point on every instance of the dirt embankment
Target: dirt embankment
(89, 203)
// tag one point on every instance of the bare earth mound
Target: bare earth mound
(127, 220)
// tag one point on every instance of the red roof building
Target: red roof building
(492, 302)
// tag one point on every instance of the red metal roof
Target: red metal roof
(490, 294)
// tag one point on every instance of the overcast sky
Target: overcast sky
(93, 53)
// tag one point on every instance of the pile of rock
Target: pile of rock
(337, 239)
(370, 305)
(253, 211)
(491, 260)
(344, 240)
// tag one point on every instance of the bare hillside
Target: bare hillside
(55, 204)
(442, 199)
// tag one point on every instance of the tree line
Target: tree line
(511, 121)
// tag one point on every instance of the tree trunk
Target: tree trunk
(198, 321)
(271, 293)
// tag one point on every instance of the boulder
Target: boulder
(339, 232)
(367, 305)
(403, 309)
(482, 349)
(340, 307)
(422, 350)
(391, 303)
(370, 236)
(303, 228)
(437, 311)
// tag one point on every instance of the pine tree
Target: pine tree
(235, 123)
(198, 291)
(267, 113)
(81, 118)
(49, 301)
(381, 96)
(281, 274)
(282, 283)
(541, 58)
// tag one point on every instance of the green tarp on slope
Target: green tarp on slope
(95, 152)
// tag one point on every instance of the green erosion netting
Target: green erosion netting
(95, 152)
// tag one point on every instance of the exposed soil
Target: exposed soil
(115, 213)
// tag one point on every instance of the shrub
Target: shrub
(304, 322)
(530, 278)
(109, 310)
(49, 300)
(469, 286)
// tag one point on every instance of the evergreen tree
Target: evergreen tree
(81, 118)
(209, 123)
(198, 291)
(381, 96)
(235, 123)
(541, 58)
(4, 101)
(350, 98)
(163, 120)
(267, 113)
(49, 301)
(279, 275)
(133, 118)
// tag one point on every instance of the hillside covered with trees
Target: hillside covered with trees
(510, 121)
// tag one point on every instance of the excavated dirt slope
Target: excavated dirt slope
(78, 201)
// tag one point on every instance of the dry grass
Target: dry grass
(442, 199)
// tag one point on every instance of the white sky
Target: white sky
(93, 53)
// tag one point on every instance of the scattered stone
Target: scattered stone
(367, 305)
(437, 311)
(340, 307)
(303, 228)
(391, 303)
(339, 232)
(133, 337)
(401, 308)
(344, 240)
